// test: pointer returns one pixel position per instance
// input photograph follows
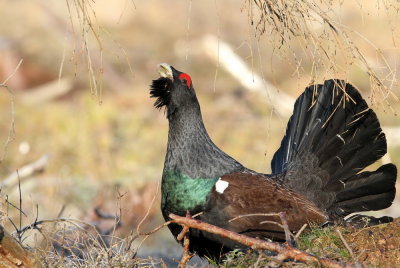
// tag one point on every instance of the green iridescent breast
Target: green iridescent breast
(181, 193)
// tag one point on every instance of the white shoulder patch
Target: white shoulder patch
(221, 186)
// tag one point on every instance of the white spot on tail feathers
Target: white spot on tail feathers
(221, 186)
(341, 138)
(340, 160)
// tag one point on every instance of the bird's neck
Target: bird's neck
(191, 151)
(193, 164)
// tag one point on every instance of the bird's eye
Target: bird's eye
(186, 79)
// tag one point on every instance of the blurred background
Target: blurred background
(77, 122)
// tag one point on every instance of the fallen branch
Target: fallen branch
(25, 172)
(222, 53)
(47, 92)
(284, 251)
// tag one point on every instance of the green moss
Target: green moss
(324, 242)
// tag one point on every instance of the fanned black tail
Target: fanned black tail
(332, 136)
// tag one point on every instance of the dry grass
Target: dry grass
(86, 29)
(68, 244)
(332, 46)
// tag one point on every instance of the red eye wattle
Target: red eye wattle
(187, 78)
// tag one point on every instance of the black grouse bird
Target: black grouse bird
(316, 173)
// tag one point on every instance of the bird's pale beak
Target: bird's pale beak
(164, 69)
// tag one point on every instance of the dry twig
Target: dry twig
(288, 234)
(284, 224)
(184, 234)
(186, 243)
(11, 131)
(296, 237)
(345, 243)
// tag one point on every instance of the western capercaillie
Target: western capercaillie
(317, 173)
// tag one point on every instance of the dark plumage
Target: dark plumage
(160, 89)
(317, 171)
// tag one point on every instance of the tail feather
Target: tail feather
(365, 203)
(365, 191)
(368, 182)
(331, 137)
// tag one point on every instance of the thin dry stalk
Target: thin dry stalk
(345, 243)
(138, 231)
(148, 209)
(145, 234)
(259, 259)
(296, 237)
(83, 12)
(11, 131)
(284, 224)
(254, 215)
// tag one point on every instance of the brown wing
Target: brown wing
(245, 193)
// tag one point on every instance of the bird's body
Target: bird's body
(331, 136)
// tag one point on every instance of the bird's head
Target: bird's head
(174, 90)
